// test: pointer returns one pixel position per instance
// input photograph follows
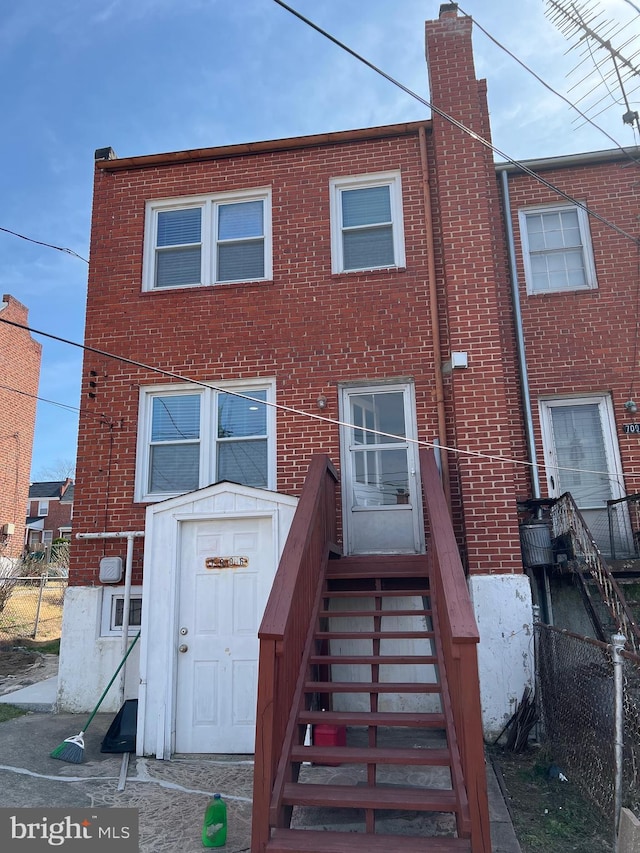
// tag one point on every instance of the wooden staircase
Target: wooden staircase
(375, 668)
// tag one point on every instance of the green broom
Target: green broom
(72, 749)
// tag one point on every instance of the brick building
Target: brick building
(20, 360)
(348, 293)
(50, 513)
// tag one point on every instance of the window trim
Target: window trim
(587, 247)
(393, 180)
(208, 441)
(208, 238)
(107, 615)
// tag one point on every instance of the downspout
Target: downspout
(522, 356)
(435, 317)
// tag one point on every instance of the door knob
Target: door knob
(183, 648)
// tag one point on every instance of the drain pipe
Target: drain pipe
(522, 356)
(435, 318)
(129, 535)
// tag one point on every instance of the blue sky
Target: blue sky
(148, 76)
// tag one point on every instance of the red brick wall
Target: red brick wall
(59, 515)
(483, 397)
(20, 359)
(587, 341)
(308, 327)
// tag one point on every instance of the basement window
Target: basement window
(113, 608)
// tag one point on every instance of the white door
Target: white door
(381, 498)
(582, 457)
(226, 571)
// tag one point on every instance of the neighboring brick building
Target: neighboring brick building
(360, 276)
(50, 513)
(20, 374)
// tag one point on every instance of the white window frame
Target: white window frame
(209, 205)
(338, 185)
(47, 537)
(110, 595)
(208, 441)
(43, 508)
(591, 282)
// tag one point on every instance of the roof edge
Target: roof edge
(587, 158)
(262, 147)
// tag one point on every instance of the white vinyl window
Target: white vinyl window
(206, 240)
(367, 230)
(113, 608)
(190, 437)
(556, 248)
(43, 507)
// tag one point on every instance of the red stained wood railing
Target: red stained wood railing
(460, 637)
(285, 627)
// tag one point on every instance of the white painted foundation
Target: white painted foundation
(87, 660)
(503, 610)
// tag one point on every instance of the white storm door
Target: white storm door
(219, 613)
(582, 457)
(381, 497)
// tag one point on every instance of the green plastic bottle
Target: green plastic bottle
(214, 830)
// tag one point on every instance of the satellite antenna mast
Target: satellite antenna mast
(585, 25)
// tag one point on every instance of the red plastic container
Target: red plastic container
(325, 734)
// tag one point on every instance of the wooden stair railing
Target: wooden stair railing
(459, 637)
(284, 629)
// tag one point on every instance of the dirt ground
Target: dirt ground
(548, 815)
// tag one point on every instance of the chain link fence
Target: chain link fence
(578, 702)
(31, 595)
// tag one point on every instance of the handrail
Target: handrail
(460, 636)
(567, 519)
(285, 627)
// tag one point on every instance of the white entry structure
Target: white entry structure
(210, 558)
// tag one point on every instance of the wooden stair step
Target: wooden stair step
(422, 757)
(379, 566)
(370, 687)
(378, 593)
(374, 635)
(401, 660)
(363, 797)
(328, 841)
(331, 614)
(414, 720)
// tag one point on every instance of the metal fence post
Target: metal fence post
(43, 581)
(618, 643)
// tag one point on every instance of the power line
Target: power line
(54, 403)
(550, 88)
(41, 243)
(461, 126)
(290, 409)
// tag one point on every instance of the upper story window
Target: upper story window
(190, 437)
(367, 231)
(204, 240)
(43, 507)
(556, 248)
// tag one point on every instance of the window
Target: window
(557, 249)
(47, 537)
(366, 222)
(43, 507)
(208, 240)
(189, 437)
(113, 608)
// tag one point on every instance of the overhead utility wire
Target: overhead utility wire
(289, 409)
(54, 403)
(550, 88)
(461, 126)
(48, 245)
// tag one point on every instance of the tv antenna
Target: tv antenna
(610, 55)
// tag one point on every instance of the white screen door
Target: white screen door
(381, 484)
(581, 454)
